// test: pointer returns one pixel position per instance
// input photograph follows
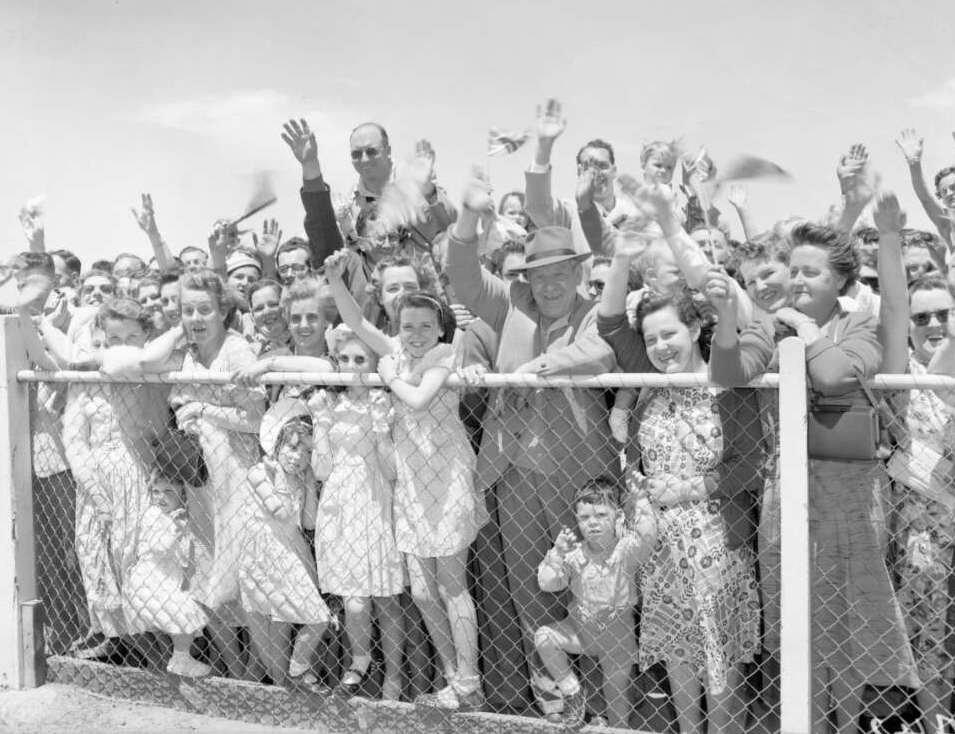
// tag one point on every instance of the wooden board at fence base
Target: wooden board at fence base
(276, 706)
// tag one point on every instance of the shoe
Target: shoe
(446, 699)
(185, 665)
(575, 710)
(598, 720)
(352, 681)
(102, 649)
(455, 697)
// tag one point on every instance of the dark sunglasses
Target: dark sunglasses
(922, 319)
(372, 153)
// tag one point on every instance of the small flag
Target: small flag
(750, 167)
(504, 143)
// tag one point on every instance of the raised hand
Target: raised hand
(31, 220)
(566, 542)
(857, 181)
(335, 266)
(551, 122)
(146, 219)
(387, 369)
(887, 214)
(585, 189)
(737, 196)
(720, 292)
(655, 202)
(301, 141)
(477, 192)
(271, 237)
(910, 143)
(422, 166)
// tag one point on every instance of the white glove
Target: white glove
(619, 421)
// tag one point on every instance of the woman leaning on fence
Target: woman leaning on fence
(224, 419)
(857, 627)
(700, 612)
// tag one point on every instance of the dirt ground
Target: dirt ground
(56, 708)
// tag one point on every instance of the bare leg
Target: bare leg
(686, 690)
(725, 711)
(392, 634)
(424, 591)
(358, 629)
(461, 615)
(270, 640)
(616, 690)
(303, 653)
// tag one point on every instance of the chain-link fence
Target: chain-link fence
(498, 551)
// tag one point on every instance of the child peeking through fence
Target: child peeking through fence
(277, 582)
(601, 571)
(158, 586)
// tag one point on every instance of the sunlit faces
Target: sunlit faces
(813, 285)
(169, 302)
(151, 301)
(202, 318)
(355, 357)
(918, 261)
(95, 290)
(661, 273)
(713, 243)
(671, 344)
(658, 168)
(292, 265)
(306, 323)
(767, 283)
(419, 330)
(930, 313)
(511, 261)
(64, 278)
(241, 278)
(596, 522)
(266, 309)
(194, 258)
(165, 495)
(370, 155)
(511, 208)
(598, 279)
(598, 161)
(294, 452)
(124, 332)
(946, 191)
(396, 281)
(554, 287)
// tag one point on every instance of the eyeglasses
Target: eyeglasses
(295, 268)
(371, 153)
(597, 285)
(923, 318)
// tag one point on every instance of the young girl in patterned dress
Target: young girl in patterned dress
(277, 584)
(157, 588)
(354, 531)
(438, 512)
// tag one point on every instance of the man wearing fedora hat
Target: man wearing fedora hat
(538, 445)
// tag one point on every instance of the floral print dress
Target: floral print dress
(700, 599)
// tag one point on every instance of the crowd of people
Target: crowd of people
(477, 539)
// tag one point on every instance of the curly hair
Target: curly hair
(208, 281)
(124, 309)
(424, 270)
(929, 282)
(947, 171)
(688, 311)
(842, 254)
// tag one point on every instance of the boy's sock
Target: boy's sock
(569, 686)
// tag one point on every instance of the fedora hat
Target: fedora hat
(549, 245)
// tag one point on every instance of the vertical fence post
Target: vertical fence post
(17, 572)
(795, 663)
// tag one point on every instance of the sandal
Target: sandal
(352, 681)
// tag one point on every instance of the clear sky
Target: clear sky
(185, 99)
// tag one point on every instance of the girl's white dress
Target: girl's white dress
(222, 509)
(107, 434)
(154, 588)
(438, 511)
(276, 573)
(354, 529)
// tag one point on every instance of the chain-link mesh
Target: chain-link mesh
(456, 557)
